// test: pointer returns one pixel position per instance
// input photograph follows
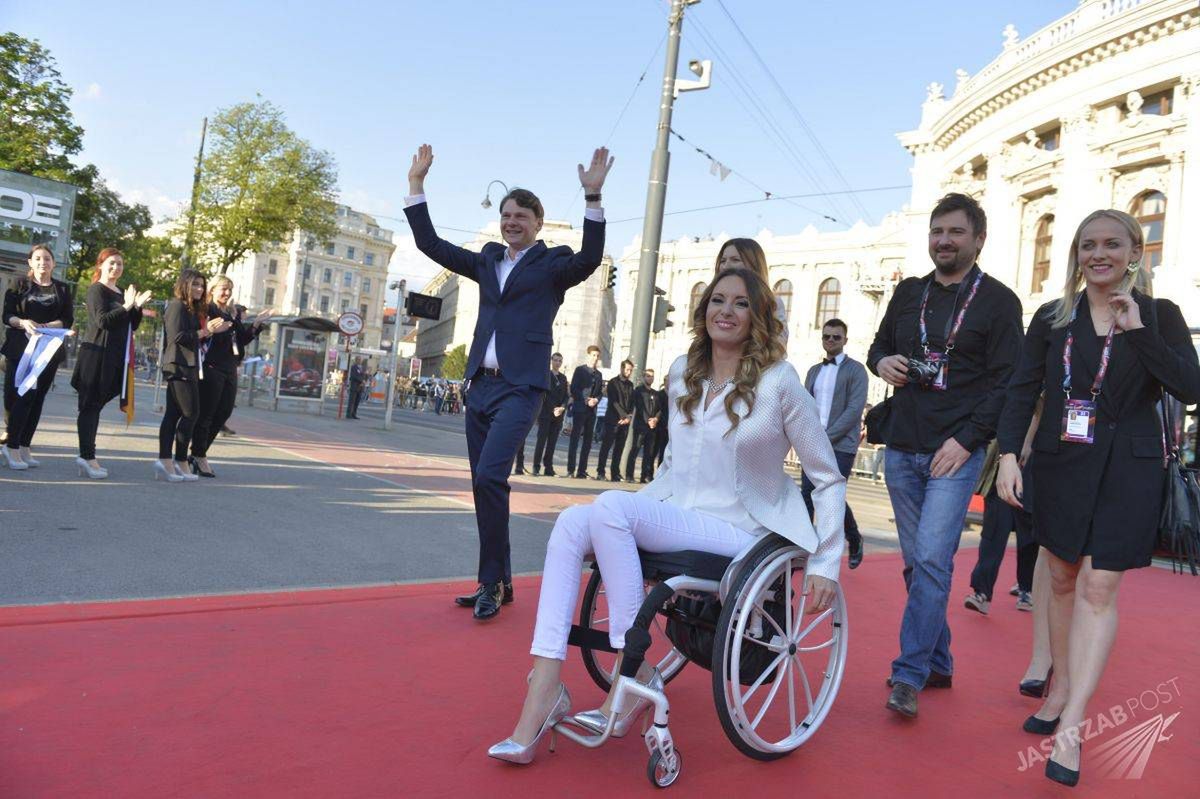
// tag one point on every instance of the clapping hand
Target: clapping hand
(263, 315)
(130, 296)
(218, 324)
(592, 179)
(141, 298)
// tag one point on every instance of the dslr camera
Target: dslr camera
(922, 372)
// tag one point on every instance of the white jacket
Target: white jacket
(785, 417)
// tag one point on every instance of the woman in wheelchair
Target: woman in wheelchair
(738, 408)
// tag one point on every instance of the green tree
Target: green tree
(38, 133)
(259, 183)
(102, 220)
(455, 363)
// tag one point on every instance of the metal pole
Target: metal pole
(187, 244)
(390, 394)
(643, 303)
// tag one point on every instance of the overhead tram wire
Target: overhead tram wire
(766, 121)
(772, 198)
(812, 137)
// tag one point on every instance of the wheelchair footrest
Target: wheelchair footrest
(587, 638)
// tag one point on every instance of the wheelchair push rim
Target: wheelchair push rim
(787, 702)
(602, 666)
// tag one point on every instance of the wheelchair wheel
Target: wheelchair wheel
(602, 666)
(662, 774)
(776, 669)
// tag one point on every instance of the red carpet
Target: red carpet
(392, 692)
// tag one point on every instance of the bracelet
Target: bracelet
(592, 198)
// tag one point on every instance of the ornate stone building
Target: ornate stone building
(1099, 109)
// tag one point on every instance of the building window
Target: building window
(1157, 104)
(272, 266)
(269, 297)
(362, 311)
(329, 248)
(369, 259)
(348, 279)
(1041, 252)
(324, 304)
(829, 299)
(307, 271)
(697, 293)
(366, 286)
(783, 293)
(327, 277)
(304, 300)
(1150, 210)
(350, 253)
(1049, 139)
(345, 305)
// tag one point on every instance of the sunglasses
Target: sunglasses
(831, 336)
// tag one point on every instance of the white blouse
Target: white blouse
(703, 463)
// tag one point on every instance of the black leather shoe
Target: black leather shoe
(1038, 689)
(582, 476)
(537, 472)
(856, 552)
(645, 480)
(551, 473)
(616, 478)
(935, 680)
(468, 600)
(1061, 774)
(630, 480)
(519, 470)
(903, 700)
(1040, 726)
(600, 476)
(487, 606)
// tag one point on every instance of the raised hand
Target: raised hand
(142, 298)
(263, 315)
(593, 177)
(130, 296)
(1126, 313)
(419, 169)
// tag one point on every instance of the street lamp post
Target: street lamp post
(392, 376)
(487, 199)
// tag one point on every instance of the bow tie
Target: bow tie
(829, 361)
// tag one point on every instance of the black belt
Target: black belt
(483, 370)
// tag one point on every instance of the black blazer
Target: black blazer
(645, 406)
(586, 383)
(556, 396)
(181, 341)
(1128, 432)
(16, 340)
(97, 375)
(620, 399)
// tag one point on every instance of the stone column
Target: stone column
(1080, 188)
(1001, 251)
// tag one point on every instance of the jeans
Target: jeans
(929, 519)
(614, 527)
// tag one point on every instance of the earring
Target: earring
(1133, 267)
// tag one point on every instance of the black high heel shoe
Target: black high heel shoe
(197, 470)
(1040, 726)
(1038, 689)
(1063, 775)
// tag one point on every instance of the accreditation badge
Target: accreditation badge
(1079, 421)
(942, 361)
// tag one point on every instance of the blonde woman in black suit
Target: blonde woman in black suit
(187, 330)
(1103, 353)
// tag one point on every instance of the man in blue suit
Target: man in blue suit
(521, 287)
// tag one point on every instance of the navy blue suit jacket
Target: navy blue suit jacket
(523, 314)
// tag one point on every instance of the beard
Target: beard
(960, 262)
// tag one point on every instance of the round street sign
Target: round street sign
(350, 323)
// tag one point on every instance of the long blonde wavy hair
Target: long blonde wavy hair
(1139, 279)
(759, 351)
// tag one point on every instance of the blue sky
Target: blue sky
(521, 91)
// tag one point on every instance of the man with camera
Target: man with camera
(947, 345)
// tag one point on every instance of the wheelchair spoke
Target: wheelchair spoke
(787, 599)
(761, 679)
(820, 617)
(762, 611)
(807, 688)
(791, 678)
(765, 644)
(766, 705)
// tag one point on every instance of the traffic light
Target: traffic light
(610, 277)
(662, 310)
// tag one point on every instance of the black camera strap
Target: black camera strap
(953, 321)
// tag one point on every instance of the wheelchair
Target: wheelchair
(775, 669)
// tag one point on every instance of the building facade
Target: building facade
(586, 316)
(1099, 109)
(305, 277)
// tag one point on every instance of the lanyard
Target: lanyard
(1105, 355)
(951, 332)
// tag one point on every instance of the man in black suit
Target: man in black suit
(587, 384)
(617, 419)
(355, 390)
(522, 284)
(660, 431)
(550, 421)
(646, 416)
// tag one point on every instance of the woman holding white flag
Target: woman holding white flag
(38, 313)
(104, 368)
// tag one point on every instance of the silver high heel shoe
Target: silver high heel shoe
(597, 720)
(161, 473)
(28, 459)
(185, 474)
(513, 752)
(86, 470)
(16, 464)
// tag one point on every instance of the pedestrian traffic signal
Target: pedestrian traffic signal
(610, 276)
(662, 311)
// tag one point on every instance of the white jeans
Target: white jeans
(614, 527)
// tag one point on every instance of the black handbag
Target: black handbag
(1179, 522)
(692, 628)
(877, 420)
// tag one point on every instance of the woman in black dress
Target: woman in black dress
(37, 301)
(100, 369)
(1103, 354)
(187, 332)
(224, 351)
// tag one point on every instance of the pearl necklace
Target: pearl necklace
(717, 388)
